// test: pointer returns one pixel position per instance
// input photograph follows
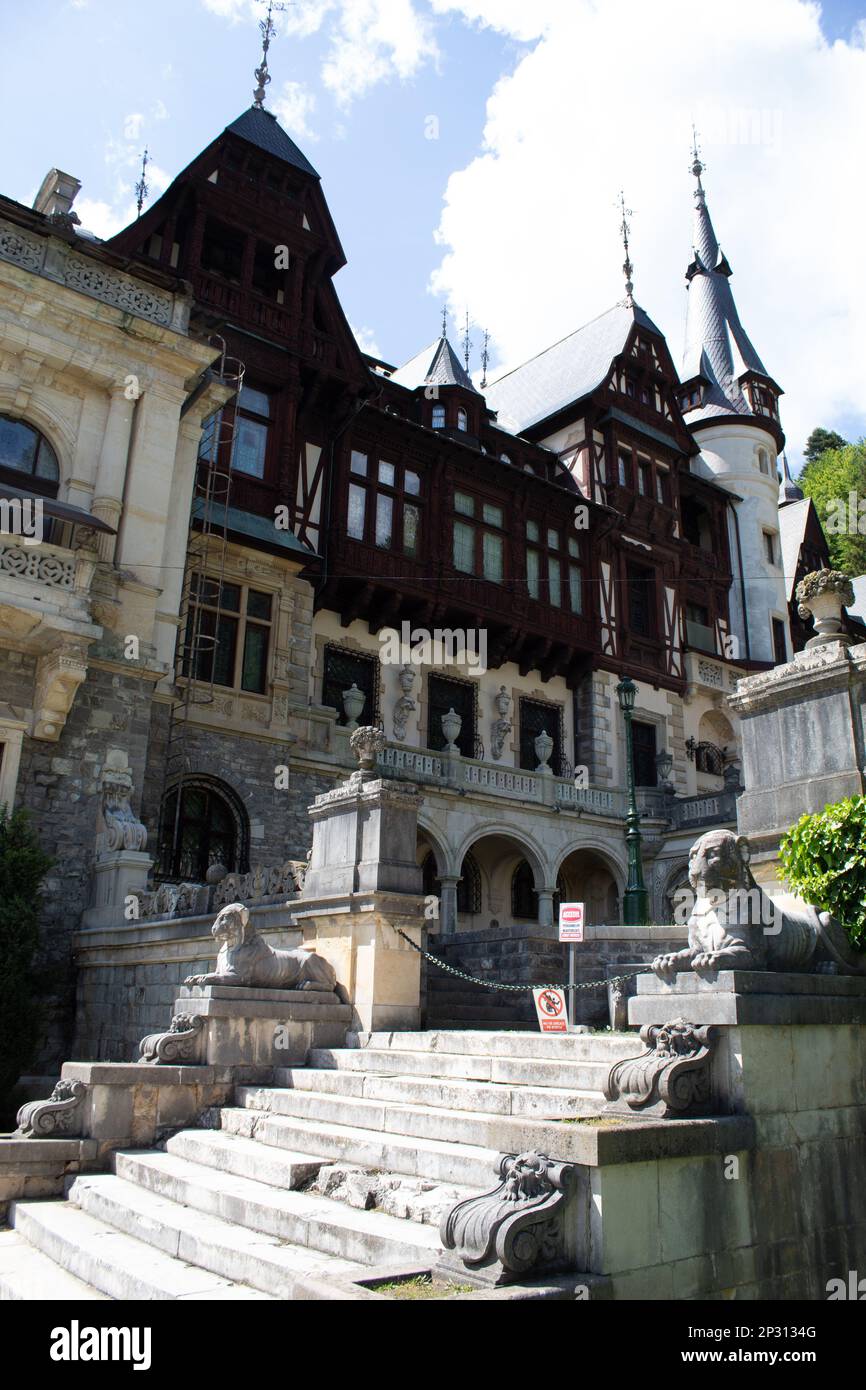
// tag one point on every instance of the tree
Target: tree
(23, 865)
(820, 441)
(836, 483)
(823, 858)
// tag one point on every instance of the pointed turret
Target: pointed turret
(435, 365)
(788, 489)
(720, 363)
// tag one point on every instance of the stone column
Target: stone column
(448, 904)
(111, 469)
(545, 907)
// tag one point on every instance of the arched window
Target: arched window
(469, 887)
(524, 899)
(27, 460)
(764, 462)
(211, 828)
(438, 417)
(461, 419)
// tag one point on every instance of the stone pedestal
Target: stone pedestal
(363, 884)
(262, 1028)
(117, 874)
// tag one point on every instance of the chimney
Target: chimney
(56, 196)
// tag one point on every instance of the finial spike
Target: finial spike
(268, 31)
(485, 359)
(697, 165)
(444, 320)
(467, 342)
(627, 267)
(141, 188)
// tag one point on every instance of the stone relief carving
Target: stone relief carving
(671, 1078)
(180, 1044)
(734, 925)
(405, 704)
(246, 960)
(60, 1116)
(367, 744)
(21, 249)
(516, 1228)
(113, 287)
(118, 827)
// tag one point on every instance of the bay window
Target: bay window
(384, 499)
(478, 542)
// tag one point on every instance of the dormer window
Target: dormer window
(691, 398)
(437, 419)
(503, 458)
(461, 419)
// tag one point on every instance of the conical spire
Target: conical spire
(788, 489)
(717, 346)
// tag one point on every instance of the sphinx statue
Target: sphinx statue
(245, 959)
(735, 925)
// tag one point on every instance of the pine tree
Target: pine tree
(836, 482)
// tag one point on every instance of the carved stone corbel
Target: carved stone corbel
(58, 1117)
(671, 1079)
(180, 1044)
(59, 673)
(514, 1231)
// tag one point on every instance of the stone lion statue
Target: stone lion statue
(735, 925)
(244, 959)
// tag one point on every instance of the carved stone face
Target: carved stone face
(230, 925)
(717, 862)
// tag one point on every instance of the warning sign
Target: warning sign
(550, 1007)
(571, 919)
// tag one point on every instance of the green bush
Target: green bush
(823, 857)
(22, 868)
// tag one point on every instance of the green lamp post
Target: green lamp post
(635, 898)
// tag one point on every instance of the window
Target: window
(553, 572)
(461, 418)
(663, 487)
(28, 457)
(780, 644)
(524, 899)
(623, 468)
(643, 738)
(478, 548)
(343, 669)
(644, 478)
(764, 461)
(770, 547)
(437, 418)
(251, 444)
(267, 280)
(641, 600)
(211, 828)
(536, 718)
(699, 633)
(443, 695)
(469, 887)
(385, 493)
(222, 250)
(228, 633)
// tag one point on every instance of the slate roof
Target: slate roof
(565, 372)
(717, 346)
(438, 364)
(261, 128)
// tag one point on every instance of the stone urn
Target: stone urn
(367, 743)
(217, 871)
(543, 750)
(822, 596)
(451, 726)
(502, 701)
(353, 703)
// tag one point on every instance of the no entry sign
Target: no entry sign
(571, 917)
(550, 1007)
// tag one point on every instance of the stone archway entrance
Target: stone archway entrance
(586, 877)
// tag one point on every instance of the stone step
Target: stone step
(477, 1011)
(528, 1042)
(27, 1274)
(114, 1263)
(465, 1165)
(445, 1093)
(564, 1075)
(160, 1214)
(244, 1158)
(320, 1231)
(505, 1133)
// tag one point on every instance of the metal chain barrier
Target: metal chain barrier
(517, 989)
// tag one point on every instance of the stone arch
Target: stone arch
(617, 866)
(43, 416)
(430, 839)
(589, 875)
(532, 851)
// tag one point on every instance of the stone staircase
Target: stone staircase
(340, 1167)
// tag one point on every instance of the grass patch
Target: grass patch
(418, 1287)
(597, 1121)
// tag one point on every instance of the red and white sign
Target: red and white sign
(571, 919)
(550, 1007)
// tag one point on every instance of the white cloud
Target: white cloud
(132, 126)
(104, 219)
(366, 340)
(292, 108)
(606, 98)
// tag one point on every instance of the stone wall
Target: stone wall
(58, 784)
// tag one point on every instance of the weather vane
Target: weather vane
(268, 31)
(444, 320)
(627, 267)
(485, 359)
(141, 188)
(467, 342)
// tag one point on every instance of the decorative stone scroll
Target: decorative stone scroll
(516, 1229)
(119, 827)
(283, 880)
(58, 1117)
(180, 1045)
(671, 1079)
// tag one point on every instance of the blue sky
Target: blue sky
(509, 210)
